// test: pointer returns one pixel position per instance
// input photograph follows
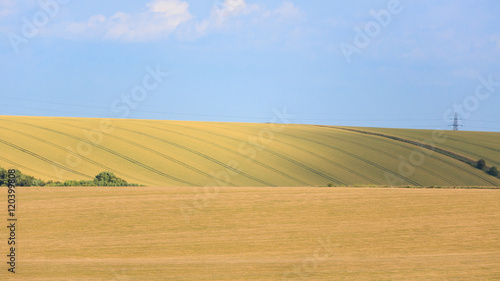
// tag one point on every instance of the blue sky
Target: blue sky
(407, 64)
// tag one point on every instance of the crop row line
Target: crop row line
(138, 163)
(84, 158)
(176, 161)
(288, 159)
(232, 152)
(423, 145)
(203, 156)
(355, 156)
(395, 157)
(43, 158)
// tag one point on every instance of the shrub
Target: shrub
(71, 183)
(109, 179)
(480, 164)
(25, 180)
(37, 183)
(3, 177)
(493, 171)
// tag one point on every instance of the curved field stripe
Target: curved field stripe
(286, 158)
(154, 152)
(44, 159)
(453, 148)
(421, 145)
(475, 144)
(488, 160)
(112, 152)
(394, 157)
(16, 165)
(319, 156)
(71, 152)
(232, 152)
(357, 157)
(201, 155)
(330, 161)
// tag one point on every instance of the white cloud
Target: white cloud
(221, 15)
(169, 8)
(229, 14)
(287, 11)
(222, 12)
(161, 18)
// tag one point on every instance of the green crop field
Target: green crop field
(258, 233)
(175, 153)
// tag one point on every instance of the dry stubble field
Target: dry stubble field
(154, 233)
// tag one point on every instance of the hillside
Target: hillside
(177, 153)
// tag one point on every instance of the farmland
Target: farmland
(242, 201)
(258, 233)
(177, 153)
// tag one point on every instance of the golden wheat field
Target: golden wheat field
(178, 153)
(259, 233)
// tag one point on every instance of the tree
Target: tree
(109, 179)
(480, 164)
(493, 171)
(3, 177)
(25, 180)
(105, 177)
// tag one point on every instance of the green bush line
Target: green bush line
(102, 179)
(445, 152)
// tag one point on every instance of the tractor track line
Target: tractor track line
(225, 136)
(355, 156)
(232, 152)
(44, 159)
(329, 161)
(478, 145)
(176, 161)
(71, 152)
(201, 155)
(24, 167)
(321, 174)
(416, 143)
(151, 169)
(394, 157)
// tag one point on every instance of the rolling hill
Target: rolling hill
(181, 153)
